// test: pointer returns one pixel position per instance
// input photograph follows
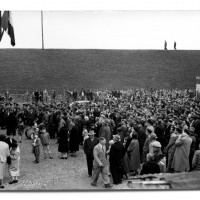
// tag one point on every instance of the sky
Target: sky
(105, 29)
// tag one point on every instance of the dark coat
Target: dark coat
(11, 124)
(116, 154)
(122, 132)
(31, 117)
(63, 144)
(74, 140)
(80, 130)
(134, 155)
(171, 147)
(125, 161)
(160, 132)
(141, 139)
(89, 145)
(106, 133)
(168, 133)
(10, 141)
(150, 168)
(196, 125)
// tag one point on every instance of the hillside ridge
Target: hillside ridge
(30, 69)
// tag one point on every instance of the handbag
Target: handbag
(8, 160)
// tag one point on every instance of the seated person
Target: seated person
(150, 167)
(158, 156)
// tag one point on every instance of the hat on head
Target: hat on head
(153, 136)
(185, 127)
(151, 128)
(192, 115)
(149, 156)
(106, 121)
(198, 113)
(116, 138)
(156, 144)
(91, 132)
(192, 129)
(111, 142)
(150, 121)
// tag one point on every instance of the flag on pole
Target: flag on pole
(6, 24)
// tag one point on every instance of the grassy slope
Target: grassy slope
(113, 69)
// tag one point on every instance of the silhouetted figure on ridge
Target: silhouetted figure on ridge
(165, 45)
(174, 45)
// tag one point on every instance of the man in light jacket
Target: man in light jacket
(181, 156)
(100, 164)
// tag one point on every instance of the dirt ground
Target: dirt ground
(51, 174)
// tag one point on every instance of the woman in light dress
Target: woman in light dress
(15, 160)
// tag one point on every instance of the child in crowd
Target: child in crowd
(36, 147)
(15, 161)
(45, 140)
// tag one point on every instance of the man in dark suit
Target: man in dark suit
(88, 147)
(116, 154)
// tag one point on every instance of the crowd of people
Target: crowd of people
(123, 133)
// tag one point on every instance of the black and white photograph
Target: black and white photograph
(99, 100)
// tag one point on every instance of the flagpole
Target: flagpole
(42, 30)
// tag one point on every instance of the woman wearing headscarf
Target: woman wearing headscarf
(150, 136)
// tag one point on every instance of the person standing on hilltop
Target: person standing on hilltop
(174, 45)
(165, 45)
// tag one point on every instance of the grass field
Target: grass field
(24, 69)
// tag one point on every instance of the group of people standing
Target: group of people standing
(129, 133)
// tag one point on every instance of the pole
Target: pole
(42, 30)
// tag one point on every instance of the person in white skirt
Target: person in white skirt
(4, 154)
(14, 166)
